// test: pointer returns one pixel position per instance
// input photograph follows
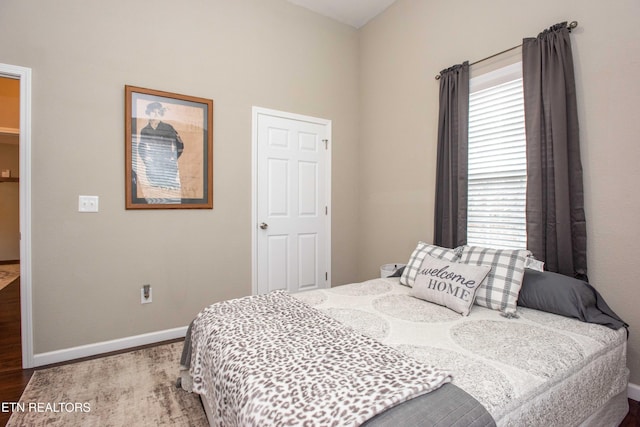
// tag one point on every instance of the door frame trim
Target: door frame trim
(26, 305)
(255, 113)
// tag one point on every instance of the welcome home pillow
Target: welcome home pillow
(423, 249)
(448, 283)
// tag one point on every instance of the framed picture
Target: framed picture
(168, 150)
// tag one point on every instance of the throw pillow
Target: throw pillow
(500, 289)
(411, 269)
(448, 283)
(534, 264)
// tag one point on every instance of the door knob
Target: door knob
(264, 225)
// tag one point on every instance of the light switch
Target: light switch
(87, 203)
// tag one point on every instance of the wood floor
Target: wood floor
(10, 356)
(633, 417)
(13, 379)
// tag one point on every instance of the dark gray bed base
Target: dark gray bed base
(448, 406)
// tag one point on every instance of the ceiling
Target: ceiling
(351, 12)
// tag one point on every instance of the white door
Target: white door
(291, 220)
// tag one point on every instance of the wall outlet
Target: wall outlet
(146, 294)
(88, 203)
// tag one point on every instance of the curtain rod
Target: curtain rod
(571, 26)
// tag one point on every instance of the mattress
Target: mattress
(538, 369)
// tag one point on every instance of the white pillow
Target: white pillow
(447, 283)
(501, 288)
(534, 264)
(411, 270)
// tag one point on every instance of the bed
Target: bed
(507, 367)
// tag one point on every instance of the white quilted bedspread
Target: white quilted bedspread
(537, 370)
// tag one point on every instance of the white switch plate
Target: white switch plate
(87, 203)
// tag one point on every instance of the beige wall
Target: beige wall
(88, 268)
(401, 52)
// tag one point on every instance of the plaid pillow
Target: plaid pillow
(500, 289)
(411, 270)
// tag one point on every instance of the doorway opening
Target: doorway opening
(10, 341)
(15, 248)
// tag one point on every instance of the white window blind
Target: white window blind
(497, 161)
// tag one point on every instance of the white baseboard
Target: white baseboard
(72, 353)
(633, 391)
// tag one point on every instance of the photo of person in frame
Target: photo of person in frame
(159, 148)
(168, 150)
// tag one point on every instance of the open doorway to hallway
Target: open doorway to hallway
(10, 315)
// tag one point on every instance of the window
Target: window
(497, 160)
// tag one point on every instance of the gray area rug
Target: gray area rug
(130, 389)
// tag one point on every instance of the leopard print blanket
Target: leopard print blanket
(273, 360)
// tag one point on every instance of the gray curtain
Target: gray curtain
(556, 227)
(450, 228)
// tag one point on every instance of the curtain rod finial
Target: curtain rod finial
(573, 24)
(437, 76)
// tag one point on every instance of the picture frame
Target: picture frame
(168, 150)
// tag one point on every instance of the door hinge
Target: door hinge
(326, 210)
(326, 276)
(326, 144)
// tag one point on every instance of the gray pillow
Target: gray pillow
(398, 272)
(566, 296)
